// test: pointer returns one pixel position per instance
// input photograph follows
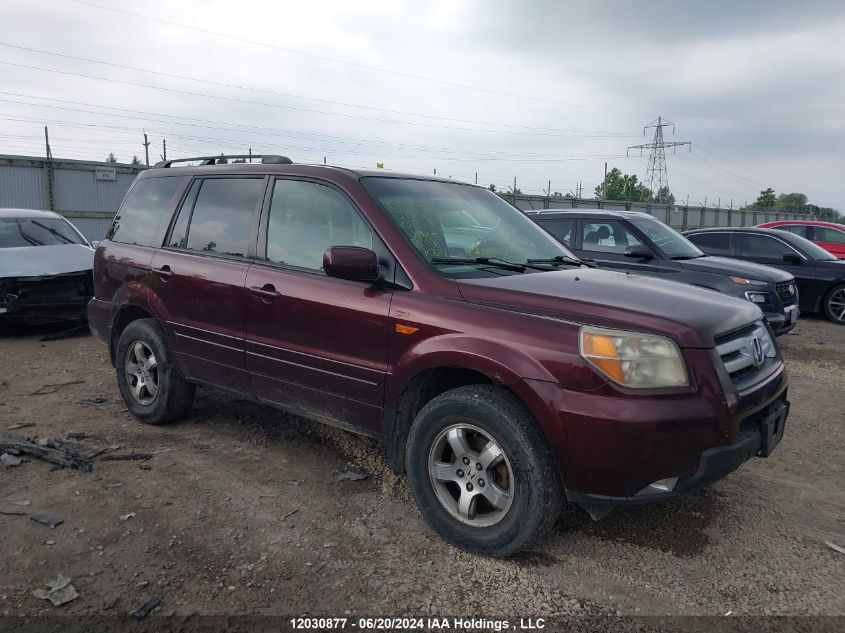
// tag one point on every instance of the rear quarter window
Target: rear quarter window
(148, 204)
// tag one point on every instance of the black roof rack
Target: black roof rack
(266, 159)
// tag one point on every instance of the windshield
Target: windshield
(673, 244)
(450, 220)
(15, 232)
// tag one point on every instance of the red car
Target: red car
(501, 373)
(828, 235)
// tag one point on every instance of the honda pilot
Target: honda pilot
(502, 375)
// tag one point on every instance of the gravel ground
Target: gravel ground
(240, 511)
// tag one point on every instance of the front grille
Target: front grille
(787, 292)
(737, 350)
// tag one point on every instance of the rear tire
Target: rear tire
(149, 380)
(481, 471)
(833, 304)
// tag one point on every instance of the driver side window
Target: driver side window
(306, 218)
(607, 237)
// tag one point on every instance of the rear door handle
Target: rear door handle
(267, 292)
(164, 272)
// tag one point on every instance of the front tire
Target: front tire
(149, 381)
(481, 471)
(834, 304)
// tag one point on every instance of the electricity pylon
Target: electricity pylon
(656, 178)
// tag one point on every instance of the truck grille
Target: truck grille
(787, 292)
(741, 355)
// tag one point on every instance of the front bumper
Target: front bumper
(45, 299)
(783, 321)
(759, 435)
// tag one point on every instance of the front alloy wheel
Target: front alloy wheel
(835, 305)
(471, 475)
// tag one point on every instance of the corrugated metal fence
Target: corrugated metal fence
(678, 217)
(87, 193)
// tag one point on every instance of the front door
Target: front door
(605, 242)
(769, 250)
(315, 345)
(200, 275)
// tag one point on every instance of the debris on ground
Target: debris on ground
(145, 609)
(51, 450)
(126, 457)
(127, 516)
(96, 401)
(12, 510)
(9, 461)
(835, 547)
(20, 425)
(21, 502)
(50, 520)
(351, 476)
(289, 514)
(77, 435)
(59, 591)
(43, 390)
(55, 336)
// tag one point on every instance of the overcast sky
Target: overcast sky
(534, 90)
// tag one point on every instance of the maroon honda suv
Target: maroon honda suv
(502, 374)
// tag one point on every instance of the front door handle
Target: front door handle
(267, 292)
(164, 272)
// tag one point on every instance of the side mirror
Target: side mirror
(639, 252)
(351, 262)
(793, 258)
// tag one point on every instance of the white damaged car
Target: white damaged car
(45, 268)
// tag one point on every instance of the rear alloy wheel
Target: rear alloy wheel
(481, 471)
(834, 305)
(147, 376)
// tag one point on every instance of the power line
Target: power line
(656, 178)
(350, 63)
(580, 133)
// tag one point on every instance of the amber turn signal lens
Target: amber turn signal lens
(601, 351)
(405, 329)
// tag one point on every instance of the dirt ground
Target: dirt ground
(240, 511)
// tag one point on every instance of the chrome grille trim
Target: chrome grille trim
(737, 351)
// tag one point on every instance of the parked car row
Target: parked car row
(507, 364)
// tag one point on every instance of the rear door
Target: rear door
(605, 242)
(315, 345)
(200, 274)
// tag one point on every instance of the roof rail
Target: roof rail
(266, 159)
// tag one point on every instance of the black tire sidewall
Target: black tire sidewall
(526, 452)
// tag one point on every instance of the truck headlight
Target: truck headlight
(633, 359)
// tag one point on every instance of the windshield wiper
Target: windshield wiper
(560, 259)
(679, 257)
(487, 261)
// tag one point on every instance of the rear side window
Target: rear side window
(797, 229)
(827, 234)
(306, 218)
(561, 229)
(763, 246)
(712, 243)
(140, 215)
(607, 237)
(220, 220)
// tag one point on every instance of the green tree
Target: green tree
(111, 159)
(791, 201)
(491, 187)
(619, 186)
(766, 200)
(136, 161)
(664, 196)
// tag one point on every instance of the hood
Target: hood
(36, 261)
(692, 316)
(736, 267)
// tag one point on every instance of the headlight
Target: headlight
(758, 297)
(742, 281)
(633, 359)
